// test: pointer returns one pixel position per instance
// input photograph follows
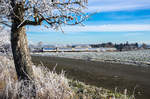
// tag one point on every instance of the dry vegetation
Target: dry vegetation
(49, 85)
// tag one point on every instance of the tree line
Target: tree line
(122, 46)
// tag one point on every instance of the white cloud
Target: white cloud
(117, 5)
(97, 28)
(133, 34)
(108, 28)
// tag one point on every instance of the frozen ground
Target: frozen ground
(140, 57)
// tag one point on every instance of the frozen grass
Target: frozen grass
(139, 57)
(49, 85)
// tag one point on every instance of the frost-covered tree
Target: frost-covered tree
(17, 14)
(4, 40)
(4, 36)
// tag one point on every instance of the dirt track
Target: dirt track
(102, 74)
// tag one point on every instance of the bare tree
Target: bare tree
(17, 14)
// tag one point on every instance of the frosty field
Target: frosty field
(139, 58)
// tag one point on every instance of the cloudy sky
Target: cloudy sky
(115, 21)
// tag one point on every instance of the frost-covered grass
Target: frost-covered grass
(49, 85)
(139, 57)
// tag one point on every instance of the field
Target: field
(139, 58)
(49, 85)
(110, 70)
(102, 74)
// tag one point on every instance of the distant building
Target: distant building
(48, 49)
(110, 49)
(82, 46)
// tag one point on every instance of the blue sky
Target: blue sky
(115, 21)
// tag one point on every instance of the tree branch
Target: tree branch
(4, 23)
(39, 22)
(28, 22)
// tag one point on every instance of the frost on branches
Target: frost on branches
(53, 12)
(19, 13)
(4, 37)
(4, 40)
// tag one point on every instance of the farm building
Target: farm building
(49, 49)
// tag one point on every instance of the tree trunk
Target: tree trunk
(19, 44)
(22, 58)
(21, 55)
